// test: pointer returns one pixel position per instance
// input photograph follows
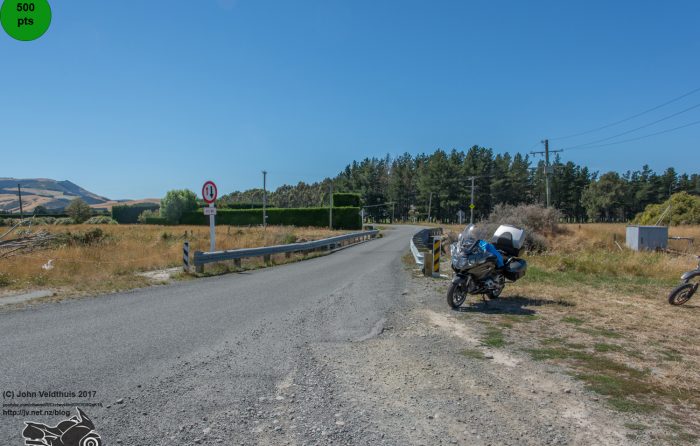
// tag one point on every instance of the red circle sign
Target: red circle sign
(209, 192)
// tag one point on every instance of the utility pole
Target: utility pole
(21, 210)
(264, 172)
(330, 209)
(393, 205)
(471, 204)
(547, 168)
(430, 202)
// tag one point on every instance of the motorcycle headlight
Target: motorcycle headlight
(460, 261)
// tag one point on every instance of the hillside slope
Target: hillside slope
(51, 194)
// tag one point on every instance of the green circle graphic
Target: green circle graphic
(25, 20)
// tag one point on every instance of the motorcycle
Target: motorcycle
(683, 292)
(75, 431)
(484, 268)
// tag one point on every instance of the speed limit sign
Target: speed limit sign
(209, 192)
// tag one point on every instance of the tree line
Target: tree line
(437, 186)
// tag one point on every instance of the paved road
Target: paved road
(198, 355)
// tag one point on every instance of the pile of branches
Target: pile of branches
(25, 241)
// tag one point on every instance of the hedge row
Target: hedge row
(240, 206)
(130, 214)
(343, 217)
(346, 199)
(155, 221)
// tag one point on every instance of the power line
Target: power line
(639, 137)
(631, 117)
(534, 145)
(635, 129)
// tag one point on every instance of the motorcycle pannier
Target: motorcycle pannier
(509, 239)
(515, 269)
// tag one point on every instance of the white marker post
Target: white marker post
(209, 194)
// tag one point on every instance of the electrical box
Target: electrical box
(647, 238)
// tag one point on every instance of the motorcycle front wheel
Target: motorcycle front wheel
(681, 294)
(456, 295)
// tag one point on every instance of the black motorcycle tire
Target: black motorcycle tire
(681, 294)
(91, 439)
(452, 294)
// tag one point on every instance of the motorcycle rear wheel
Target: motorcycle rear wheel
(456, 295)
(681, 294)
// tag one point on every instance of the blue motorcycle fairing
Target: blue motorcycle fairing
(488, 247)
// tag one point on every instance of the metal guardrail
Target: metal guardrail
(422, 241)
(202, 258)
(417, 255)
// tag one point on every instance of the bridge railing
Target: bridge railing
(202, 258)
(423, 241)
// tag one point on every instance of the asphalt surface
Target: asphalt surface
(182, 363)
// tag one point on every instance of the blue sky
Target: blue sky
(130, 99)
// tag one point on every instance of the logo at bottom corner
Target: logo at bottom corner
(75, 431)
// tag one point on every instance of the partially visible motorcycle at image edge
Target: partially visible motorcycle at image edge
(75, 431)
(689, 285)
(484, 268)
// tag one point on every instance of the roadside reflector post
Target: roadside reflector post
(186, 256)
(437, 242)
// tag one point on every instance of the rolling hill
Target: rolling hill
(51, 194)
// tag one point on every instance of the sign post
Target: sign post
(209, 193)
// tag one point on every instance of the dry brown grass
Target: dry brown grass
(111, 265)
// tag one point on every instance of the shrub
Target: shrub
(343, 218)
(101, 220)
(89, 237)
(129, 214)
(64, 221)
(155, 221)
(5, 279)
(78, 210)
(148, 213)
(44, 220)
(536, 220)
(346, 200)
(177, 202)
(681, 209)
(287, 238)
